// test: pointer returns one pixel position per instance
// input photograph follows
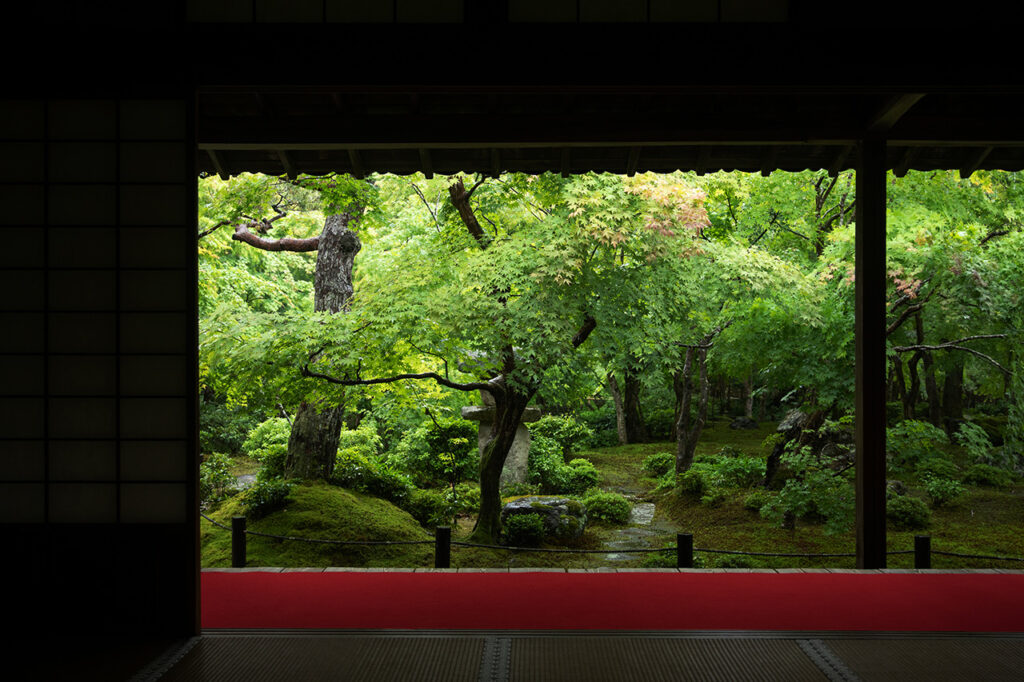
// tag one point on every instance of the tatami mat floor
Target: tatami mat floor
(564, 656)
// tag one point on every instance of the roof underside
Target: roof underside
(574, 130)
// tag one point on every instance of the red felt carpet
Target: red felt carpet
(613, 601)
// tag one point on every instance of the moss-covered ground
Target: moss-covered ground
(984, 521)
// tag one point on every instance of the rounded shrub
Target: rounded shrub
(907, 513)
(215, 479)
(936, 467)
(610, 508)
(581, 477)
(524, 530)
(757, 499)
(266, 495)
(943, 492)
(267, 443)
(569, 433)
(659, 464)
(987, 475)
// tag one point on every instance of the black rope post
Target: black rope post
(237, 542)
(684, 550)
(922, 551)
(443, 547)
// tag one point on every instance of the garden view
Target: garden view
(599, 362)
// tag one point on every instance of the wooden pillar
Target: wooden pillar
(870, 372)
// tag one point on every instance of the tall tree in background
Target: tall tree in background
(317, 423)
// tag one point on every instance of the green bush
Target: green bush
(660, 423)
(223, 427)
(524, 530)
(993, 477)
(434, 454)
(601, 422)
(942, 492)
(819, 495)
(912, 441)
(430, 507)
(893, 413)
(659, 464)
(465, 499)
(363, 440)
(265, 496)
(711, 475)
(975, 442)
(757, 499)
(548, 470)
(519, 489)
(907, 513)
(267, 443)
(582, 476)
(567, 431)
(357, 472)
(215, 479)
(936, 467)
(610, 508)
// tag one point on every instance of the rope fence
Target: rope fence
(683, 549)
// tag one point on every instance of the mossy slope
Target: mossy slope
(319, 510)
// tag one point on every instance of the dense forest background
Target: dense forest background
(344, 324)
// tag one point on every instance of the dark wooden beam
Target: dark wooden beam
(356, 163)
(839, 162)
(218, 165)
(632, 161)
(974, 162)
(771, 153)
(870, 353)
(906, 161)
(289, 168)
(703, 160)
(892, 111)
(564, 166)
(426, 164)
(496, 162)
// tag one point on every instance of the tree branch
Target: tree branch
(955, 345)
(490, 386)
(584, 331)
(242, 234)
(460, 199)
(213, 229)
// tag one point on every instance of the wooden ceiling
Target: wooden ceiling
(575, 129)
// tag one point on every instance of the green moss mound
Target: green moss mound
(320, 510)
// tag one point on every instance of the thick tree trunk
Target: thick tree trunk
(748, 392)
(688, 431)
(620, 410)
(953, 398)
(508, 414)
(313, 443)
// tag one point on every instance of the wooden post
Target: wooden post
(443, 547)
(684, 550)
(870, 371)
(922, 551)
(238, 542)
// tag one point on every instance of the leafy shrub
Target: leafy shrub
(434, 454)
(984, 474)
(215, 479)
(912, 441)
(819, 495)
(582, 476)
(357, 472)
(223, 427)
(607, 507)
(266, 496)
(757, 499)
(267, 443)
(907, 513)
(936, 467)
(660, 423)
(465, 499)
(601, 422)
(363, 440)
(975, 442)
(548, 470)
(711, 474)
(693, 481)
(660, 463)
(518, 489)
(430, 507)
(524, 530)
(943, 492)
(893, 413)
(740, 471)
(567, 431)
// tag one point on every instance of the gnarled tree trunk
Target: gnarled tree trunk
(313, 442)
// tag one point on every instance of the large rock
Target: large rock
(564, 518)
(792, 423)
(743, 423)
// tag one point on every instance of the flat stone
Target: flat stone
(642, 513)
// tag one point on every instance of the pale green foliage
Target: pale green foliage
(607, 507)
(912, 441)
(268, 445)
(215, 479)
(565, 429)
